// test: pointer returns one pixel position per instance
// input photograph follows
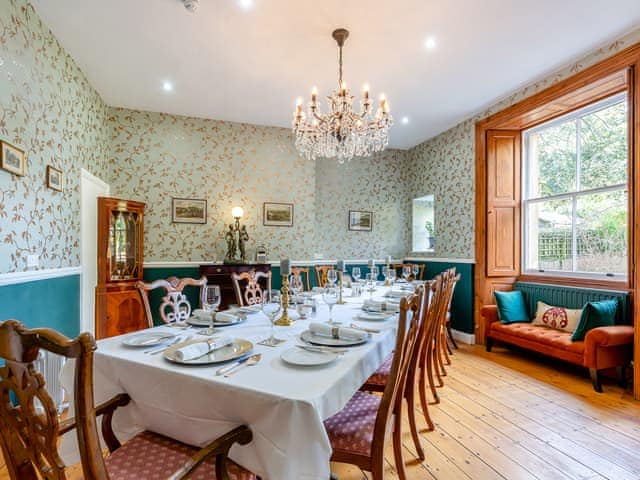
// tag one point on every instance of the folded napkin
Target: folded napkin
(196, 350)
(227, 317)
(201, 314)
(333, 331)
(375, 305)
(398, 293)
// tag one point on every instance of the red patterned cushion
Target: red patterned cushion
(382, 373)
(351, 429)
(149, 456)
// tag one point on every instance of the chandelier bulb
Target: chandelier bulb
(365, 91)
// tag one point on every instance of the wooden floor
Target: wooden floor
(513, 415)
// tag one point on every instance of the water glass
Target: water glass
(211, 299)
(330, 297)
(295, 285)
(332, 277)
(271, 306)
(392, 274)
(356, 274)
(416, 271)
(371, 282)
(406, 272)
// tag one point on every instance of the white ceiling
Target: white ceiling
(250, 65)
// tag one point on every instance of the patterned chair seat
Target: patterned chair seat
(149, 456)
(381, 375)
(351, 429)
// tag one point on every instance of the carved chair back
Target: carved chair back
(298, 272)
(251, 294)
(29, 425)
(321, 274)
(175, 306)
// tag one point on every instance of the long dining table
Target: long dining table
(283, 405)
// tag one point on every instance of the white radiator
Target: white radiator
(49, 365)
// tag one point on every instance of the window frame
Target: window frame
(579, 276)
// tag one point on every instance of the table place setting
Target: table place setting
(208, 351)
(329, 335)
(147, 339)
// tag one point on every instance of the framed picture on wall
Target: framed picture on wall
(277, 214)
(188, 210)
(360, 220)
(12, 159)
(55, 179)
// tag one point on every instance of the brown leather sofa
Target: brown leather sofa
(602, 348)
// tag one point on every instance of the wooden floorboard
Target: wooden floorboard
(510, 414)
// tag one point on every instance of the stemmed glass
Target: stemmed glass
(330, 297)
(295, 285)
(271, 306)
(210, 302)
(371, 282)
(392, 275)
(332, 277)
(355, 273)
(416, 271)
(406, 272)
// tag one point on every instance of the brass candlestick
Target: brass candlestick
(284, 320)
(340, 300)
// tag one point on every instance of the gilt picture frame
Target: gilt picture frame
(360, 220)
(189, 210)
(12, 159)
(55, 178)
(277, 214)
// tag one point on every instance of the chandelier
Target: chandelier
(342, 132)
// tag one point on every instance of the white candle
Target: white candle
(371, 263)
(340, 265)
(285, 266)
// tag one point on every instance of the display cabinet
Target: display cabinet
(119, 308)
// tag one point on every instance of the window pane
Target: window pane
(603, 147)
(602, 232)
(552, 160)
(549, 235)
(423, 223)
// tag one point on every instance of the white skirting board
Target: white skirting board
(468, 338)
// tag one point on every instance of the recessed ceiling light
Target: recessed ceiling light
(405, 120)
(167, 86)
(430, 43)
(245, 4)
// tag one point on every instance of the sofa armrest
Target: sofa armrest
(489, 313)
(608, 337)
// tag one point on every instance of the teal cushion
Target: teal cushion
(595, 314)
(511, 307)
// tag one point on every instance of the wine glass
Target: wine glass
(371, 282)
(392, 275)
(330, 297)
(295, 285)
(406, 272)
(416, 271)
(210, 302)
(332, 277)
(271, 306)
(356, 274)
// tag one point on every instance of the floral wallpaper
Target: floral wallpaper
(445, 164)
(377, 184)
(49, 110)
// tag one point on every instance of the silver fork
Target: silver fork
(154, 351)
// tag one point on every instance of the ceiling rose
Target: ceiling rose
(342, 132)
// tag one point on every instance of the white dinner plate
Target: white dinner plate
(203, 322)
(251, 309)
(306, 358)
(238, 348)
(375, 316)
(309, 337)
(147, 339)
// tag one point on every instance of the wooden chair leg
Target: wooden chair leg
(595, 380)
(436, 363)
(423, 399)
(397, 446)
(411, 410)
(622, 376)
(432, 384)
(450, 336)
(445, 350)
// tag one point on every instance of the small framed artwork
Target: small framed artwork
(55, 179)
(12, 159)
(188, 210)
(277, 214)
(360, 220)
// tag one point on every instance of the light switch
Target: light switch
(33, 261)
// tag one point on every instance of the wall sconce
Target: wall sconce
(236, 238)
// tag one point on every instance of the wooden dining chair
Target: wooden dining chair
(441, 352)
(174, 307)
(450, 339)
(31, 428)
(359, 432)
(252, 294)
(321, 274)
(298, 272)
(399, 266)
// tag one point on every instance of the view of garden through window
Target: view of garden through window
(575, 191)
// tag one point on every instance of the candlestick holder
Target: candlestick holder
(340, 300)
(284, 320)
(387, 280)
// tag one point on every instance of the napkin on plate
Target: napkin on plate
(227, 317)
(375, 305)
(397, 293)
(196, 350)
(201, 314)
(333, 331)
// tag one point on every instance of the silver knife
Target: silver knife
(163, 348)
(223, 370)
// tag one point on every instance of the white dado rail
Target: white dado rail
(14, 278)
(273, 263)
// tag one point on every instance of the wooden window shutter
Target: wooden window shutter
(503, 203)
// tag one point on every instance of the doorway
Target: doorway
(91, 187)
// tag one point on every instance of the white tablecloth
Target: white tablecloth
(283, 405)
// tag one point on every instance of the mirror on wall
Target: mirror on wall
(423, 228)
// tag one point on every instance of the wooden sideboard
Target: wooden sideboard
(219, 274)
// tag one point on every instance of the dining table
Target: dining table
(284, 405)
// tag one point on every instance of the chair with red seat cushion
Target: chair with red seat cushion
(30, 424)
(358, 433)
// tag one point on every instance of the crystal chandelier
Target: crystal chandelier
(342, 132)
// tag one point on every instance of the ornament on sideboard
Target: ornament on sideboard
(261, 254)
(236, 238)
